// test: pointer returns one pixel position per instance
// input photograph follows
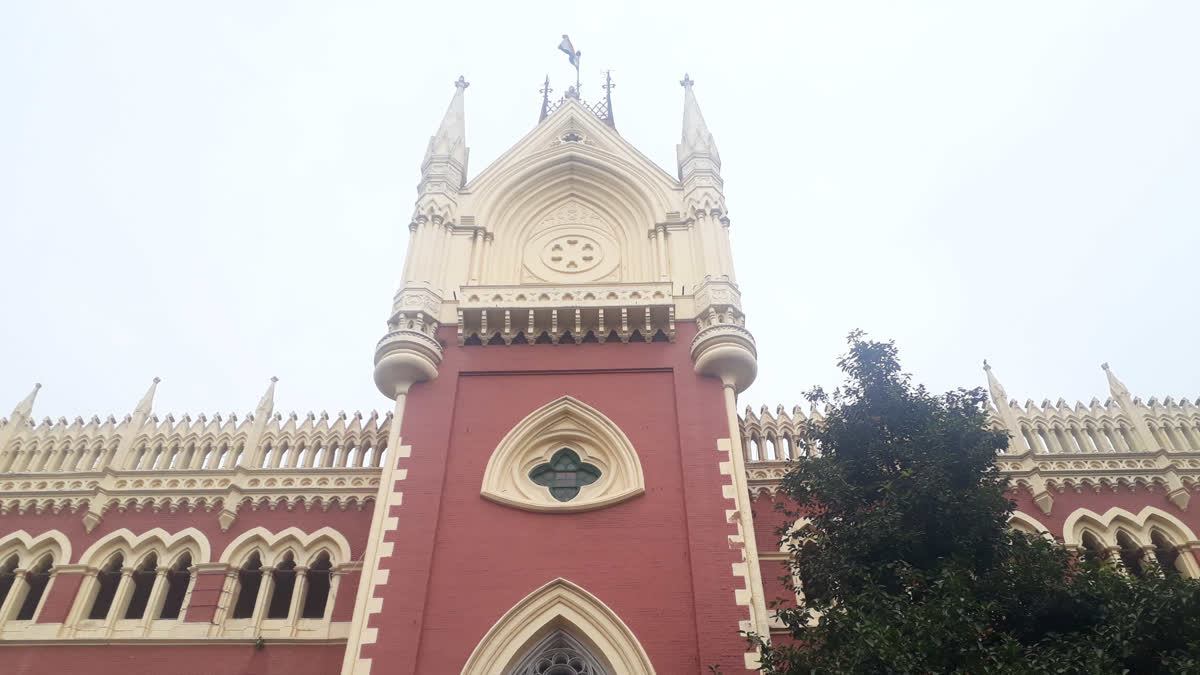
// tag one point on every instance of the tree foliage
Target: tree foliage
(907, 564)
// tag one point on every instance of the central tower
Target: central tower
(564, 355)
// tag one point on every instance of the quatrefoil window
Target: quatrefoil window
(565, 474)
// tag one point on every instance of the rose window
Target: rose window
(565, 474)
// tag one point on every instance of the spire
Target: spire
(144, 406)
(266, 405)
(697, 140)
(545, 92)
(450, 141)
(24, 409)
(999, 396)
(1115, 386)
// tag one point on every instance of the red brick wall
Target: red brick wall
(239, 659)
(661, 561)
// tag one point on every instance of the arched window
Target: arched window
(284, 577)
(177, 584)
(317, 594)
(559, 654)
(37, 579)
(249, 580)
(143, 583)
(1131, 554)
(107, 581)
(1092, 548)
(8, 575)
(1165, 553)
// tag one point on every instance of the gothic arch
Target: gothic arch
(565, 423)
(165, 545)
(1140, 528)
(1026, 523)
(559, 605)
(271, 547)
(30, 549)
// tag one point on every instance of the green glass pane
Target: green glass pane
(564, 474)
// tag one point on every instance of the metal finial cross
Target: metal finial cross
(686, 81)
(545, 90)
(608, 83)
(462, 82)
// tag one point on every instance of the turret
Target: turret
(703, 189)
(443, 174)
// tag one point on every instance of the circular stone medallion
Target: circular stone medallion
(572, 253)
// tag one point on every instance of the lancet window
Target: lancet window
(284, 583)
(559, 653)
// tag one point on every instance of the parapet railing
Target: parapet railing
(193, 444)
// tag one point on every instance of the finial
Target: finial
(1115, 386)
(25, 407)
(143, 406)
(267, 403)
(462, 82)
(686, 81)
(545, 90)
(985, 365)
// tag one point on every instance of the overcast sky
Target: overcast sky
(218, 192)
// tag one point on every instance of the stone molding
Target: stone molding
(535, 314)
(563, 423)
(559, 604)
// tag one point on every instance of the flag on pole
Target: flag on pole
(569, 48)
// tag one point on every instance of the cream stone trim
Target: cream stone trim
(565, 422)
(30, 549)
(157, 540)
(1140, 527)
(1022, 521)
(389, 496)
(559, 604)
(272, 546)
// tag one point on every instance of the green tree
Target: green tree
(907, 564)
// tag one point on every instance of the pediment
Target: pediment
(573, 131)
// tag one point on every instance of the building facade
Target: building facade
(563, 483)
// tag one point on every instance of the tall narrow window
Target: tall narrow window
(106, 587)
(1165, 553)
(249, 580)
(177, 584)
(317, 595)
(7, 577)
(284, 577)
(37, 579)
(1131, 555)
(143, 584)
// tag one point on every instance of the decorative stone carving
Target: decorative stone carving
(572, 245)
(566, 423)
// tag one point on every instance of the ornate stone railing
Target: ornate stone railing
(1121, 443)
(214, 463)
(505, 315)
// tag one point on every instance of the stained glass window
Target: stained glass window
(559, 654)
(564, 474)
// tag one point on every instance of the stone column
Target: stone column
(16, 596)
(299, 591)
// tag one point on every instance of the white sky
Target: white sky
(218, 192)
